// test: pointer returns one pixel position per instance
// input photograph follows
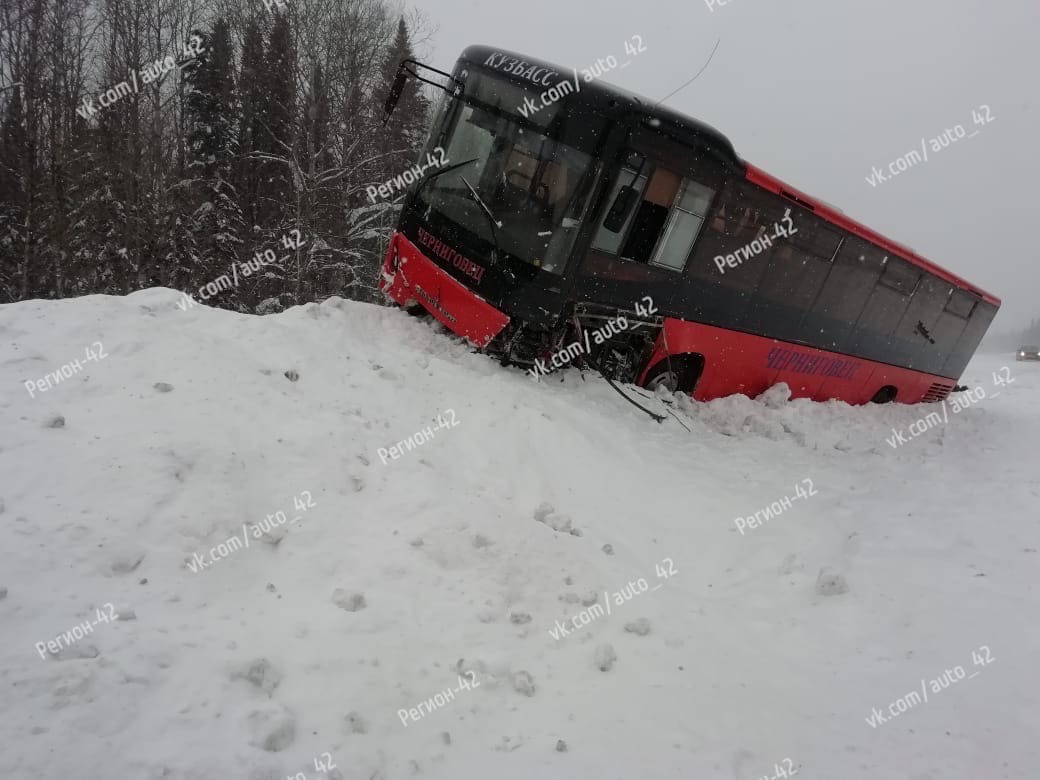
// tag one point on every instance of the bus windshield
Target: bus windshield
(516, 187)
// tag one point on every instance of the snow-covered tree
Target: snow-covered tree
(216, 219)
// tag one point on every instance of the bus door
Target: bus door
(653, 214)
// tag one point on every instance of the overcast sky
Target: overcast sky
(818, 92)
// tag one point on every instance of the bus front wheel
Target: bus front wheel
(677, 374)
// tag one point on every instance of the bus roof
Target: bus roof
(613, 100)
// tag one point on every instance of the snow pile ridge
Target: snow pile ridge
(210, 570)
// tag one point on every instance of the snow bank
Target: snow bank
(431, 583)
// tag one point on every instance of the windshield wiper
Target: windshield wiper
(491, 221)
(480, 201)
(442, 171)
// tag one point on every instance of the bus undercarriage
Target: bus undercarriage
(616, 343)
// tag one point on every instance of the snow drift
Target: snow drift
(430, 584)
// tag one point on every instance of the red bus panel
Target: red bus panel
(414, 278)
(737, 362)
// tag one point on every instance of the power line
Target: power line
(684, 86)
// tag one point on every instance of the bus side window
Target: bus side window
(742, 214)
(651, 216)
(607, 240)
(684, 225)
(845, 292)
(667, 217)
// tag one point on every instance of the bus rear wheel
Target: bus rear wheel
(885, 395)
(678, 374)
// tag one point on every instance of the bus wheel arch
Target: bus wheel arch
(676, 373)
(885, 395)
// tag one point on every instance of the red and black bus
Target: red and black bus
(563, 202)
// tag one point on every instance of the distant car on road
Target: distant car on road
(1028, 353)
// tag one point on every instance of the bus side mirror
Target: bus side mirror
(395, 94)
(621, 208)
(454, 86)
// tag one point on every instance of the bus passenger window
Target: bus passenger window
(651, 216)
(684, 225)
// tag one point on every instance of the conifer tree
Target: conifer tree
(407, 128)
(251, 91)
(13, 153)
(95, 212)
(276, 116)
(212, 144)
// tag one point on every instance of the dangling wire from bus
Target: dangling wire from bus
(588, 357)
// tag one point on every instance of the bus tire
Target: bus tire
(885, 395)
(677, 374)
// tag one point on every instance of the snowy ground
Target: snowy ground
(463, 554)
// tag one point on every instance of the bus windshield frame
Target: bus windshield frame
(521, 186)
